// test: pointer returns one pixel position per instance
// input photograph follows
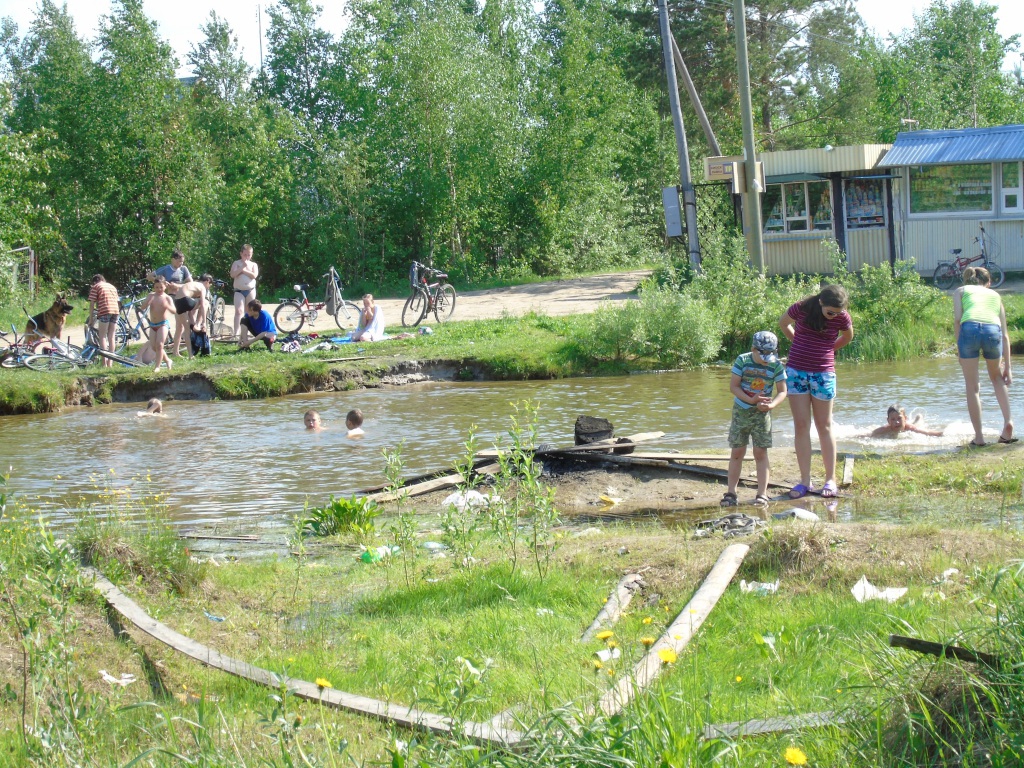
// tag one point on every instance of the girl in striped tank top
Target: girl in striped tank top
(979, 320)
(818, 326)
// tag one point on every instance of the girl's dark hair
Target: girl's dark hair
(977, 276)
(829, 296)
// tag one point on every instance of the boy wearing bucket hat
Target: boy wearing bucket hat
(758, 384)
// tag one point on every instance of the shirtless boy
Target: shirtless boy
(244, 273)
(161, 309)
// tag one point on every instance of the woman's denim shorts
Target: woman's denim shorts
(975, 337)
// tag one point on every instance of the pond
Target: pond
(252, 462)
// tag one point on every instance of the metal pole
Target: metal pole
(686, 183)
(691, 89)
(752, 193)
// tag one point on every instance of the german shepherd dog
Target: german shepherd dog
(49, 324)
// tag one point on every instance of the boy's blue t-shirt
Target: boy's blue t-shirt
(262, 324)
(757, 379)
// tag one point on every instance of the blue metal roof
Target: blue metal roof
(968, 145)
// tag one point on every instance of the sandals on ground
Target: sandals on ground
(728, 500)
(829, 490)
(761, 500)
(799, 491)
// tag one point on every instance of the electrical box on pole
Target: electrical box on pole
(673, 212)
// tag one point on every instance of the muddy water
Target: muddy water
(221, 461)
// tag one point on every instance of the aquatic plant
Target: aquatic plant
(356, 516)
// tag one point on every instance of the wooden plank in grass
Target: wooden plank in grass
(949, 651)
(848, 471)
(408, 717)
(679, 633)
(617, 602)
(773, 725)
(693, 469)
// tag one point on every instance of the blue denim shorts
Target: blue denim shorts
(986, 338)
(821, 385)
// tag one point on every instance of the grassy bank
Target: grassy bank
(474, 635)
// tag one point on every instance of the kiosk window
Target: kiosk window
(1013, 194)
(865, 203)
(951, 188)
(797, 207)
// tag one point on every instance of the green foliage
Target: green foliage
(355, 516)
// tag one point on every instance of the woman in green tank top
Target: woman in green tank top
(980, 323)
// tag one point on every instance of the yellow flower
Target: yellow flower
(739, 679)
(667, 655)
(647, 620)
(604, 634)
(839, 690)
(647, 641)
(611, 673)
(291, 659)
(321, 683)
(612, 643)
(597, 663)
(795, 756)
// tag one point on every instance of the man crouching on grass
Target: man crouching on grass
(259, 324)
(754, 375)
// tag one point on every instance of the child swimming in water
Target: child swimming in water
(312, 420)
(153, 408)
(897, 421)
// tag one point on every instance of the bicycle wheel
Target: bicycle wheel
(997, 274)
(945, 276)
(122, 335)
(415, 308)
(141, 322)
(50, 363)
(12, 360)
(217, 312)
(347, 316)
(289, 317)
(444, 302)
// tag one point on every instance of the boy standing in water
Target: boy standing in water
(755, 375)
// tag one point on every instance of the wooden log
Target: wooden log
(848, 471)
(679, 633)
(617, 602)
(416, 479)
(773, 725)
(204, 537)
(642, 437)
(949, 651)
(683, 456)
(420, 489)
(408, 717)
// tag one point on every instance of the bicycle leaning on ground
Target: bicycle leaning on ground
(437, 297)
(63, 356)
(950, 273)
(15, 350)
(293, 313)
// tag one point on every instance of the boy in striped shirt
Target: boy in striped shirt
(758, 384)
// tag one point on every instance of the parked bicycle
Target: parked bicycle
(216, 326)
(294, 313)
(437, 297)
(133, 321)
(950, 273)
(63, 356)
(16, 350)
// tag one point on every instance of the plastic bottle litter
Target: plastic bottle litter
(376, 554)
(759, 588)
(433, 546)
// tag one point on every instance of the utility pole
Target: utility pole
(691, 89)
(685, 182)
(752, 192)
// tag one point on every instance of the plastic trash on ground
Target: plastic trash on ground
(587, 532)
(462, 500)
(211, 617)
(607, 654)
(376, 554)
(126, 678)
(433, 546)
(760, 588)
(864, 590)
(798, 512)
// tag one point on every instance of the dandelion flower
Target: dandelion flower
(611, 673)
(612, 643)
(647, 620)
(739, 679)
(647, 641)
(322, 683)
(604, 634)
(597, 664)
(839, 690)
(667, 656)
(795, 756)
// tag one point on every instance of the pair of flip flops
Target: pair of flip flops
(828, 491)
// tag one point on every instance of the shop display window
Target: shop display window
(864, 203)
(951, 188)
(797, 207)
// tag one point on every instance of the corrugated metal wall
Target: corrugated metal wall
(867, 246)
(859, 157)
(928, 241)
(797, 254)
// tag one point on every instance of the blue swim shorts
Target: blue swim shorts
(975, 337)
(819, 385)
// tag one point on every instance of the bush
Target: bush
(344, 516)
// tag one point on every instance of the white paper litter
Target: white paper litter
(545, 612)
(949, 573)
(760, 587)
(607, 654)
(462, 500)
(587, 532)
(125, 679)
(865, 590)
(805, 514)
